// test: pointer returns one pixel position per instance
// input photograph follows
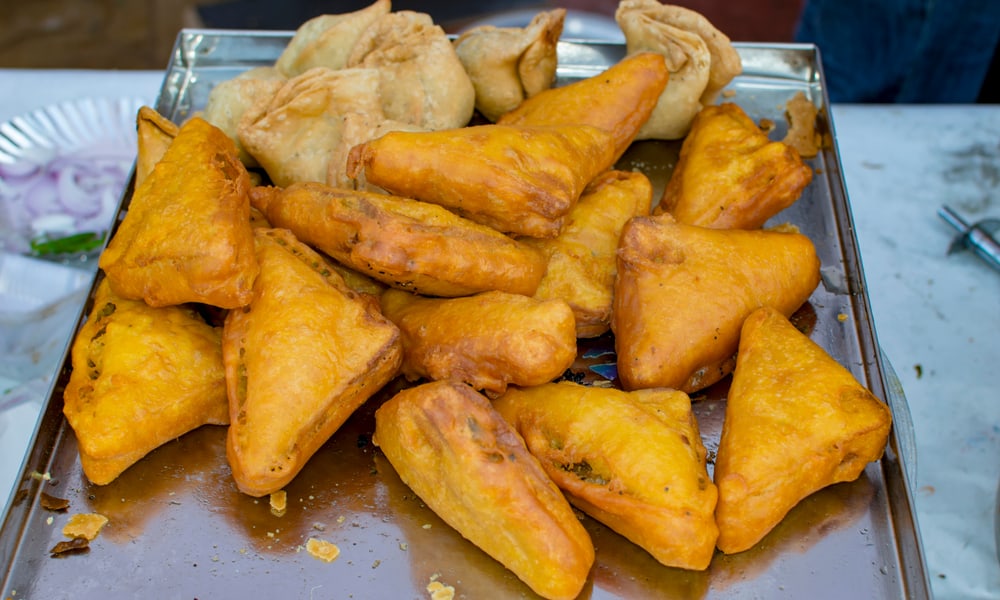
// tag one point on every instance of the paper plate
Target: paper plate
(63, 168)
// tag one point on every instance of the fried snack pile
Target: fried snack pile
(395, 254)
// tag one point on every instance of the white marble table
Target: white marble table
(937, 316)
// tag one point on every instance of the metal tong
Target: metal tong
(978, 237)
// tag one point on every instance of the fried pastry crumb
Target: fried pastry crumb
(279, 503)
(322, 549)
(85, 525)
(440, 591)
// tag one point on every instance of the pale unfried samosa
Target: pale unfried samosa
(508, 64)
(422, 80)
(293, 135)
(700, 58)
(327, 40)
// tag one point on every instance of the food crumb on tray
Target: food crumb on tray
(322, 549)
(440, 591)
(279, 503)
(85, 525)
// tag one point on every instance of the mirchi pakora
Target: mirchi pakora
(516, 179)
(618, 100)
(142, 376)
(730, 175)
(682, 293)
(404, 243)
(796, 421)
(455, 451)
(488, 340)
(632, 460)
(581, 260)
(186, 236)
(300, 358)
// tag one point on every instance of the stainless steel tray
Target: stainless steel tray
(179, 528)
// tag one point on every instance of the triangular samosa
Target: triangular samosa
(142, 376)
(632, 460)
(730, 175)
(682, 293)
(186, 236)
(796, 421)
(154, 134)
(300, 359)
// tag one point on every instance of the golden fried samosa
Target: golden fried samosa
(300, 359)
(521, 180)
(508, 64)
(186, 236)
(488, 340)
(404, 243)
(154, 134)
(293, 135)
(683, 292)
(453, 449)
(231, 99)
(327, 40)
(632, 460)
(581, 260)
(730, 175)
(422, 80)
(619, 100)
(796, 421)
(142, 376)
(358, 128)
(700, 58)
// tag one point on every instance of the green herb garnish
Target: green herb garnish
(70, 244)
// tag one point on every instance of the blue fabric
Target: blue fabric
(906, 51)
